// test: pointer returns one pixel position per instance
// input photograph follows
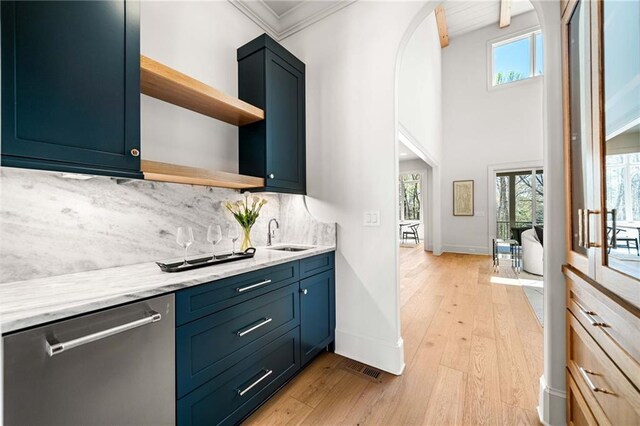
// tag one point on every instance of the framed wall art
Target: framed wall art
(463, 198)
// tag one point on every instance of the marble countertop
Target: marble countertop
(38, 301)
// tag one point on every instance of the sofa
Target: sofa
(532, 253)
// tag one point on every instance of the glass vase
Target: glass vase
(246, 239)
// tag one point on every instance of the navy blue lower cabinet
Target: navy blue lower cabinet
(239, 339)
(234, 394)
(317, 314)
(209, 346)
(206, 299)
(315, 264)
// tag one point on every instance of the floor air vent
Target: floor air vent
(362, 370)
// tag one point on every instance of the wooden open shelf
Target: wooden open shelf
(164, 83)
(164, 172)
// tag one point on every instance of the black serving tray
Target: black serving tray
(206, 261)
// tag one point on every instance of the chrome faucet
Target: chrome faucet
(270, 234)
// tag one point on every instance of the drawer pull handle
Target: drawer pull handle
(57, 347)
(589, 316)
(252, 385)
(585, 375)
(260, 324)
(249, 287)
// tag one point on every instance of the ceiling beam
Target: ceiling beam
(441, 20)
(505, 13)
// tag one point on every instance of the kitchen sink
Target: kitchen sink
(289, 248)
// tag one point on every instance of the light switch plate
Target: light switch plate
(371, 218)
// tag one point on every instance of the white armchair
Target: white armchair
(532, 253)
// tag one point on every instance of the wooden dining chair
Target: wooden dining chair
(412, 233)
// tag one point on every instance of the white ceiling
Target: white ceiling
(466, 16)
(282, 18)
(405, 154)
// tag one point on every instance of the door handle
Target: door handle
(252, 385)
(249, 287)
(587, 230)
(589, 316)
(250, 329)
(55, 348)
(585, 375)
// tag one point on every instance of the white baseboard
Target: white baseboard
(387, 356)
(452, 248)
(552, 409)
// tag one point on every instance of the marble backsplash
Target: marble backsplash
(52, 225)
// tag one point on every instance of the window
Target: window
(517, 58)
(410, 196)
(623, 186)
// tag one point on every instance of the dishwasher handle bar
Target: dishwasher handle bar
(59, 347)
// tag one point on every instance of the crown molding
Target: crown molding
(292, 21)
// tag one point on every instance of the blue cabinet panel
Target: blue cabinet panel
(316, 264)
(271, 78)
(71, 86)
(208, 346)
(317, 314)
(234, 394)
(197, 302)
(284, 323)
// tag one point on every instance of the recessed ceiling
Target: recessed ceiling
(282, 7)
(282, 18)
(466, 16)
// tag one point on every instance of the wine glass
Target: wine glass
(184, 239)
(214, 235)
(233, 234)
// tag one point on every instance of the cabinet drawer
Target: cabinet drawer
(197, 302)
(614, 328)
(578, 413)
(235, 393)
(608, 393)
(205, 348)
(316, 264)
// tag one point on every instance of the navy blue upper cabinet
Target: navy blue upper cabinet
(71, 86)
(271, 78)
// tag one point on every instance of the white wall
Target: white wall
(199, 39)
(420, 114)
(352, 166)
(552, 400)
(420, 90)
(483, 127)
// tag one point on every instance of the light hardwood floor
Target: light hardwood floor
(473, 354)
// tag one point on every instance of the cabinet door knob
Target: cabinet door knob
(304, 291)
(135, 152)
(271, 176)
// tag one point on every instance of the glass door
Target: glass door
(619, 137)
(519, 202)
(578, 138)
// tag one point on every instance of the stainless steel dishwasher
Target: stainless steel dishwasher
(114, 367)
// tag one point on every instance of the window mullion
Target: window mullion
(532, 55)
(627, 191)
